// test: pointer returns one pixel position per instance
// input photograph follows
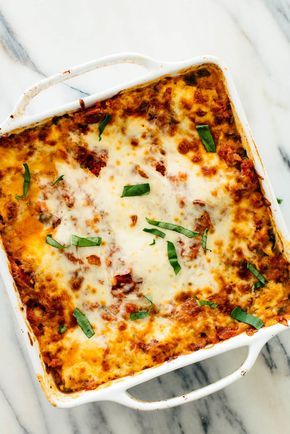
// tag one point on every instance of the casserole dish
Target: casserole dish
(117, 390)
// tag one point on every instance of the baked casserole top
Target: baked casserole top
(136, 230)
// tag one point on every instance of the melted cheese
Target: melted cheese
(151, 138)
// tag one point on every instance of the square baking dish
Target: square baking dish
(117, 390)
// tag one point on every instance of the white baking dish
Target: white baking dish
(117, 390)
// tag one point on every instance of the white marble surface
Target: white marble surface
(38, 38)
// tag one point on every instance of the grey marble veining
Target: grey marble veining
(38, 38)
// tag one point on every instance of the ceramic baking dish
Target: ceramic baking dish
(117, 390)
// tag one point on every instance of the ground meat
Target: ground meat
(247, 181)
(203, 222)
(11, 210)
(230, 154)
(209, 171)
(22, 273)
(76, 281)
(275, 268)
(185, 146)
(160, 168)
(73, 258)
(188, 310)
(124, 284)
(94, 260)
(224, 333)
(91, 160)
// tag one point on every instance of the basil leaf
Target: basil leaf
(172, 257)
(242, 316)
(49, 240)
(135, 190)
(204, 239)
(26, 183)
(171, 227)
(57, 180)
(206, 303)
(62, 328)
(256, 273)
(257, 285)
(149, 300)
(139, 315)
(85, 242)
(84, 323)
(153, 243)
(279, 200)
(103, 125)
(155, 232)
(206, 137)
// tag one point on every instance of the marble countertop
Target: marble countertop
(39, 38)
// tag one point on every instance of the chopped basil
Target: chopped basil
(149, 300)
(135, 190)
(26, 182)
(172, 257)
(206, 137)
(256, 273)
(103, 125)
(155, 232)
(57, 180)
(153, 243)
(139, 315)
(62, 328)
(204, 239)
(49, 240)
(257, 285)
(206, 303)
(84, 323)
(85, 242)
(242, 316)
(171, 227)
(279, 200)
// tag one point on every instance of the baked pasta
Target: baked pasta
(136, 230)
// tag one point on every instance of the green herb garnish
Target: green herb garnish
(62, 328)
(257, 285)
(135, 190)
(57, 180)
(85, 242)
(153, 243)
(242, 316)
(171, 227)
(139, 315)
(84, 323)
(26, 182)
(49, 240)
(279, 200)
(206, 137)
(155, 232)
(103, 125)
(149, 300)
(256, 273)
(206, 303)
(172, 257)
(204, 239)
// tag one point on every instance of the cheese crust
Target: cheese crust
(150, 137)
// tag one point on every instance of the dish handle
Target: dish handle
(21, 106)
(125, 398)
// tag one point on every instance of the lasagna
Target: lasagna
(136, 230)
